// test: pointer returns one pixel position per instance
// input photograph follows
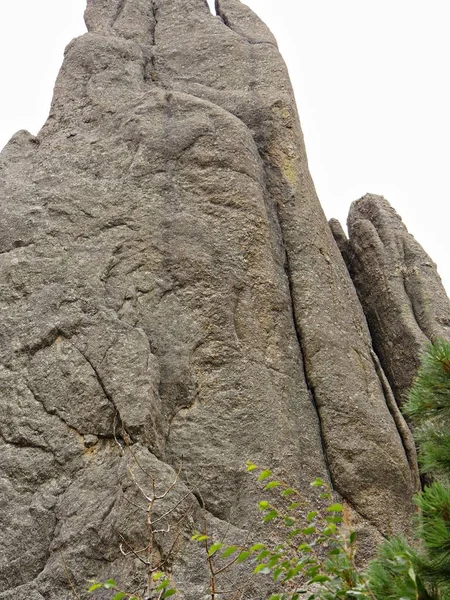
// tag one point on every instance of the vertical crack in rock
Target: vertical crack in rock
(119, 11)
(402, 427)
(222, 15)
(101, 384)
(243, 22)
(153, 41)
(303, 356)
(405, 433)
(154, 9)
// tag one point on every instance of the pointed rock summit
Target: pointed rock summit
(173, 301)
(399, 288)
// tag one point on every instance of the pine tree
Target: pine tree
(400, 571)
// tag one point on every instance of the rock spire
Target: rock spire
(172, 294)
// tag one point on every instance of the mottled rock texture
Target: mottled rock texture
(400, 290)
(168, 279)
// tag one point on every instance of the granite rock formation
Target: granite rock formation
(171, 293)
(398, 285)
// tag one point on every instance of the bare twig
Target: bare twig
(144, 510)
(171, 510)
(69, 578)
(171, 487)
(132, 550)
(114, 432)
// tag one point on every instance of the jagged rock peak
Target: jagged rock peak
(171, 293)
(400, 290)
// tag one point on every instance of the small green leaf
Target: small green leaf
(262, 555)
(251, 466)
(295, 532)
(272, 484)
(265, 474)
(229, 551)
(352, 538)
(277, 573)
(330, 530)
(319, 579)
(94, 587)
(110, 584)
(243, 556)
(273, 514)
(120, 596)
(202, 538)
(169, 593)
(309, 530)
(264, 505)
(336, 519)
(156, 576)
(319, 482)
(412, 574)
(214, 548)
(257, 547)
(335, 508)
(288, 492)
(311, 516)
(294, 505)
(274, 561)
(261, 567)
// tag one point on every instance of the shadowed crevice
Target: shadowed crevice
(241, 20)
(119, 11)
(400, 423)
(302, 350)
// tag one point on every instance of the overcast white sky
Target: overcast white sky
(370, 77)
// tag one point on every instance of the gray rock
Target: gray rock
(169, 285)
(90, 440)
(400, 290)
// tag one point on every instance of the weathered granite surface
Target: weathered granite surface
(169, 286)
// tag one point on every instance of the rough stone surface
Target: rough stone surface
(169, 286)
(400, 290)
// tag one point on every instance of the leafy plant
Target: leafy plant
(162, 590)
(316, 556)
(158, 583)
(400, 571)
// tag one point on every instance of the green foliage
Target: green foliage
(399, 571)
(434, 531)
(162, 590)
(315, 557)
(428, 407)
(393, 575)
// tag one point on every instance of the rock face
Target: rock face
(171, 293)
(402, 295)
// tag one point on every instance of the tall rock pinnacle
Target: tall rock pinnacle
(401, 293)
(171, 294)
